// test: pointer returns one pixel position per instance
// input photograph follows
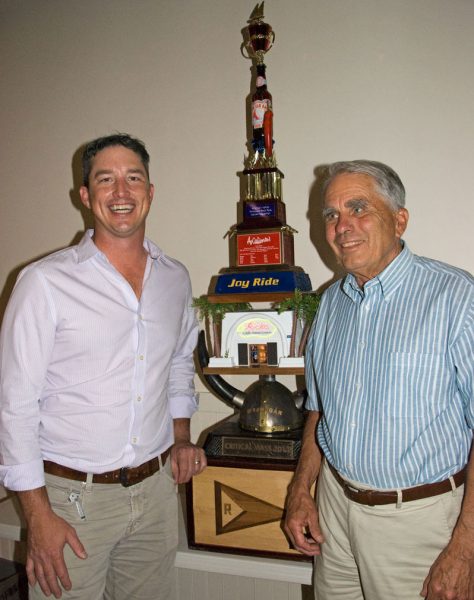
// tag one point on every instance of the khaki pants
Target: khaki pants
(130, 535)
(377, 552)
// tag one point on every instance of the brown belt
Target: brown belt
(125, 476)
(376, 497)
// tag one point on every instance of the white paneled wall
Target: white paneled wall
(8, 549)
(199, 585)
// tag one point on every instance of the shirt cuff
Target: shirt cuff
(312, 404)
(183, 407)
(27, 476)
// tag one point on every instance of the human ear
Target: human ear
(84, 194)
(401, 221)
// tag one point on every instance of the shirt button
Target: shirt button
(362, 344)
(141, 357)
(358, 385)
(134, 440)
(353, 425)
(367, 307)
(139, 398)
(140, 317)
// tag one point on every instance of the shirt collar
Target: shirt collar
(153, 251)
(87, 249)
(387, 281)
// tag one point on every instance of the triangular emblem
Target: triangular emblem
(237, 510)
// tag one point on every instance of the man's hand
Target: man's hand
(187, 460)
(47, 535)
(302, 522)
(452, 575)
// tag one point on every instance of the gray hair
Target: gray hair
(388, 183)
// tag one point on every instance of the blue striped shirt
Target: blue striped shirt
(390, 367)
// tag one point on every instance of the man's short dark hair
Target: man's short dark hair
(116, 139)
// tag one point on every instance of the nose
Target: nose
(343, 224)
(121, 187)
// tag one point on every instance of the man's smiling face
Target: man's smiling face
(362, 228)
(119, 193)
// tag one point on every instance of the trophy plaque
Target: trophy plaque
(230, 440)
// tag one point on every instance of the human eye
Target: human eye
(358, 207)
(329, 215)
(104, 179)
(136, 177)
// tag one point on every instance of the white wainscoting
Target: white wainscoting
(198, 585)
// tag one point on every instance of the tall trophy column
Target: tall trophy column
(237, 503)
(261, 246)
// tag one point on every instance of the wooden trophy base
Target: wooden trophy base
(237, 507)
(237, 504)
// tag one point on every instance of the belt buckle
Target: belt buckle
(123, 477)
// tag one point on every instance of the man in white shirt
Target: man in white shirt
(97, 393)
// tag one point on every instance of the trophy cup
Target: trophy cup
(260, 35)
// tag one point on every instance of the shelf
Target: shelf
(266, 370)
(255, 297)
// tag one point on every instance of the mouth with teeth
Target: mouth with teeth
(121, 209)
(349, 245)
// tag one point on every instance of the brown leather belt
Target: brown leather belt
(125, 476)
(377, 497)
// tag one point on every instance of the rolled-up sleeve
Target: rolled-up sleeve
(181, 392)
(26, 342)
(313, 347)
(462, 352)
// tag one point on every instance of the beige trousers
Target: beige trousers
(130, 535)
(379, 552)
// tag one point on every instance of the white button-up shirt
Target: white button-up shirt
(91, 377)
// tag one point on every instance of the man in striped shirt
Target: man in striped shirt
(389, 370)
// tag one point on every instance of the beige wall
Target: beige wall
(383, 79)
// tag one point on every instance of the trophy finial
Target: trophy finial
(260, 36)
(257, 13)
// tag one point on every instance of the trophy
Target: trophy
(237, 503)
